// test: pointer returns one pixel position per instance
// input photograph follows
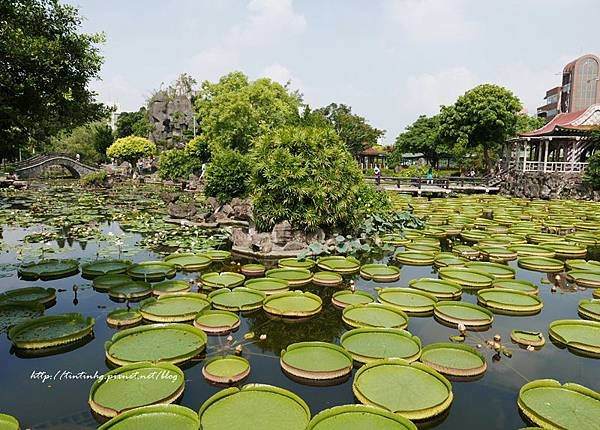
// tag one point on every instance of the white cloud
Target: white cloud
(117, 89)
(432, 21)
(213, 62)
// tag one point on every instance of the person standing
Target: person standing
(377, 172)
(430, 175)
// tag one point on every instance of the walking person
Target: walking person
(430, 175)
(377, 172)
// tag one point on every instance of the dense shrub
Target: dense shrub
(228, 175)
(176, 164)
(304, 174)
(592, 172)
(131, 149)
(198, 148)
(95, 179)
(372, 202)
(89, 141)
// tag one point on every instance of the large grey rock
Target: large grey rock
(262, 242)
(243, 212)
(282, 233)
(226, 209)
(240, 238)
(186, 211)
(295, 246)
(213, 203)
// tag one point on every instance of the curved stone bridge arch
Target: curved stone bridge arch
(33, 167)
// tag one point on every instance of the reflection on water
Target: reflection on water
(488, 402)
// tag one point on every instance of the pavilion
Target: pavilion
(561, 145)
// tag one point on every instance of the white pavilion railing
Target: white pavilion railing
(551, 166)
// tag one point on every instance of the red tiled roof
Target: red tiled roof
(372, 151)
(562, 120)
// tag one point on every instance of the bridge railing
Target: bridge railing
(38, 159)
(438, 181)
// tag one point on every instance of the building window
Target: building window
(587, 77)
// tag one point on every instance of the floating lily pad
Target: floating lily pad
(584, 278)
(529, 250)
(442, 289)
(214, 280)
(253, 269)
(496, 253)
(422, 247)
(567, 249)
(264, 407)
(359, 417)
(239, 299)
(578, 335)
(454, 359)
(380, 272)
(215, 322)
(344, 298)
(294, 277)
(589, 309)
(385, 384)
(152, 271)
(316, 360)
(466, 251)
(49, 269)
(542, 237)
(226, 370)
(498, 271)
(409, 300)
(516, 284)
(510, 302)
(339, 264)
(541, 264)
(445, 259)
(374, 315)
(50, 331)
(136, 385)
(551, 405)
(528, 338)
(8, 422)
(469, 278)
(414, 258)
(154, 417)
(104, 267)
(327, 279)
(596, 293)
(293, 304)
(371, 344)
(173, 343)
(189, 261)
(29, 295)
(216, 254)
(578, 264)
(105, 282)
(16, 313)
(170, 287)
(394, 239)
(130, 290)
(294, 263)
(267, 285)
(124, 317)
(470, 315)
(180, 307)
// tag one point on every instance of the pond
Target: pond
(51, 392)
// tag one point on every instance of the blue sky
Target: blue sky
(391, 60)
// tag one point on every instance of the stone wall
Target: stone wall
(171, 118)
(549, 185)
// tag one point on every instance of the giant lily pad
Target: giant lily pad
(589, 309)
(254, 406)
(239, 299)
(136, 385)
(29, 295)
(104, 267)
(189, 261)
(154, 417)
(528, 338)
(253, 269)
(170, 287)
(344, 298)
(455, 313)
(339, 264)
(497, 253)
(442, 289)
(180, 307)
(444, 259)
(217, 322)
(316, 360)
(585, 278)
(469, 278)
(567, 249)
(358, 417)
(409, 300)
(529, 250)
(578, 335)
(267, 285)
(541, 264)
(50, 331)
(214, 280)
(105, 282)
(516, 284)
(293, 304)
(385, 384)
(553, 406)
(294, 263)
(8, 422)
(371, 344)
(454, 359)
(498, 271)
(510, 302)
(226, 370)
(216, 254)
(16, 313)
(326, 278)
(124, 317)
(374, 315)
(380, 272)
(579, 264)
(152, 271)
(49, 269)
(415, 258)
(294, 277)
(173, 343)
(130, 290)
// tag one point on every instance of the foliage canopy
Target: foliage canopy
(228, 175)
(131, 149)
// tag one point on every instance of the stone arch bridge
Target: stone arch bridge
(33, 167)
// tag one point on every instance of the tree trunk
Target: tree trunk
(486, 159)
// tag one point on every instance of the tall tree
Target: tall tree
(422, 136)
(234, 111)
(133, 124)
(46, 65)
(354, 130)
(527, 123)
(483, 118)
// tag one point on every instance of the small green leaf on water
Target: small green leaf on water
(249, 335)
(457, 338)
